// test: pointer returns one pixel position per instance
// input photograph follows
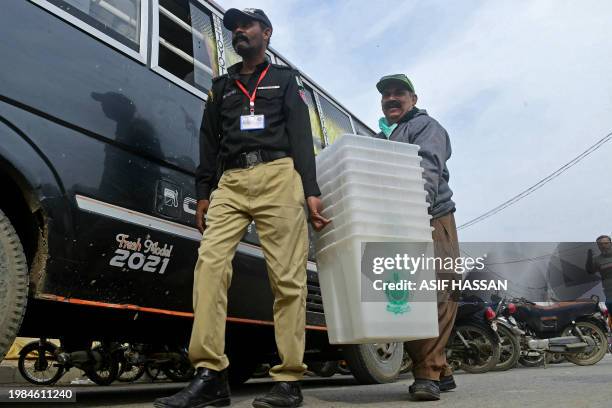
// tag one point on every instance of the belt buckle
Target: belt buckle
(251, 159)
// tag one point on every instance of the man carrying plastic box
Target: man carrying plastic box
(256, 135)
(404, 122)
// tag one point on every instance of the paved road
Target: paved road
(563, 385)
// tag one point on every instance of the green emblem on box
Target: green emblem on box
(398, 298)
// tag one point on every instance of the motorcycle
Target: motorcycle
(323, 369)
(43, 363)
(159, 362)
(474, 345)
(576, 330)
(509, 333)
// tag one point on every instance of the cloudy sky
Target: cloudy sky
(521, 86)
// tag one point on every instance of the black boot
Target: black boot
(425, 390)
(447, 383)
(208, 388)
(284, 394)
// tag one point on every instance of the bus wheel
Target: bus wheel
(375, 363)
(13, 284)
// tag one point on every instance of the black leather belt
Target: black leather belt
(250, 159)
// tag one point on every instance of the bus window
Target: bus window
(231, 57)
(315, 123)
(362, 129)
(118, 19)
(187, 46)
(336, 121)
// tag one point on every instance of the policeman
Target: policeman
(256, 134)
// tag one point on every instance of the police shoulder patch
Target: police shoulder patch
(302, 93)
(301, 88)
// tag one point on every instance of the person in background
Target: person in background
(602, 264)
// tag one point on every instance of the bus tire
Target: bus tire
(375, 363)
(13, 284)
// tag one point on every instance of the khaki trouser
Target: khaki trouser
(429, 355)
(272, 195)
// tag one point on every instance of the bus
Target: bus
(101, 103)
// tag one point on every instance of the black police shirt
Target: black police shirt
(280, 97)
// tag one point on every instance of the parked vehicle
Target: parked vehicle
(555, 358)
(324, 368)
(343, 368)
(509, 333)
(474, 345)
(100, 111)
(577, 330)
(407, 363)
(173, 362)
(43, 363)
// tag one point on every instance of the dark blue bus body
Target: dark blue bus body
(98, 151)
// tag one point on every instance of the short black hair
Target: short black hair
(602, 237)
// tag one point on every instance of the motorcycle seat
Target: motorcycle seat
(558, 305)
(573, 308)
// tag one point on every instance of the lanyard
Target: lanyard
(252, 97)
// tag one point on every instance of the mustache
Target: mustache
(240, 37)
(392, 104)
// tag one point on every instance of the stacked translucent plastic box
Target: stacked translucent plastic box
(373, 191)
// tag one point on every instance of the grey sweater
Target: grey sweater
(417, 127)
(602, 264)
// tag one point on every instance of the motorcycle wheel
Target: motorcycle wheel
(38, 363)
(130, 372)
(154, 372)
(555, 358)
(324, 369)
(532, 361)
(105, 372)
(601, 344)
(483, 349)
(510, 349)
(343, 368)
(180, 372)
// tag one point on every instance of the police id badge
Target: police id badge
(252, 122)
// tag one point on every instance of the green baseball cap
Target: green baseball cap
(398, 79)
